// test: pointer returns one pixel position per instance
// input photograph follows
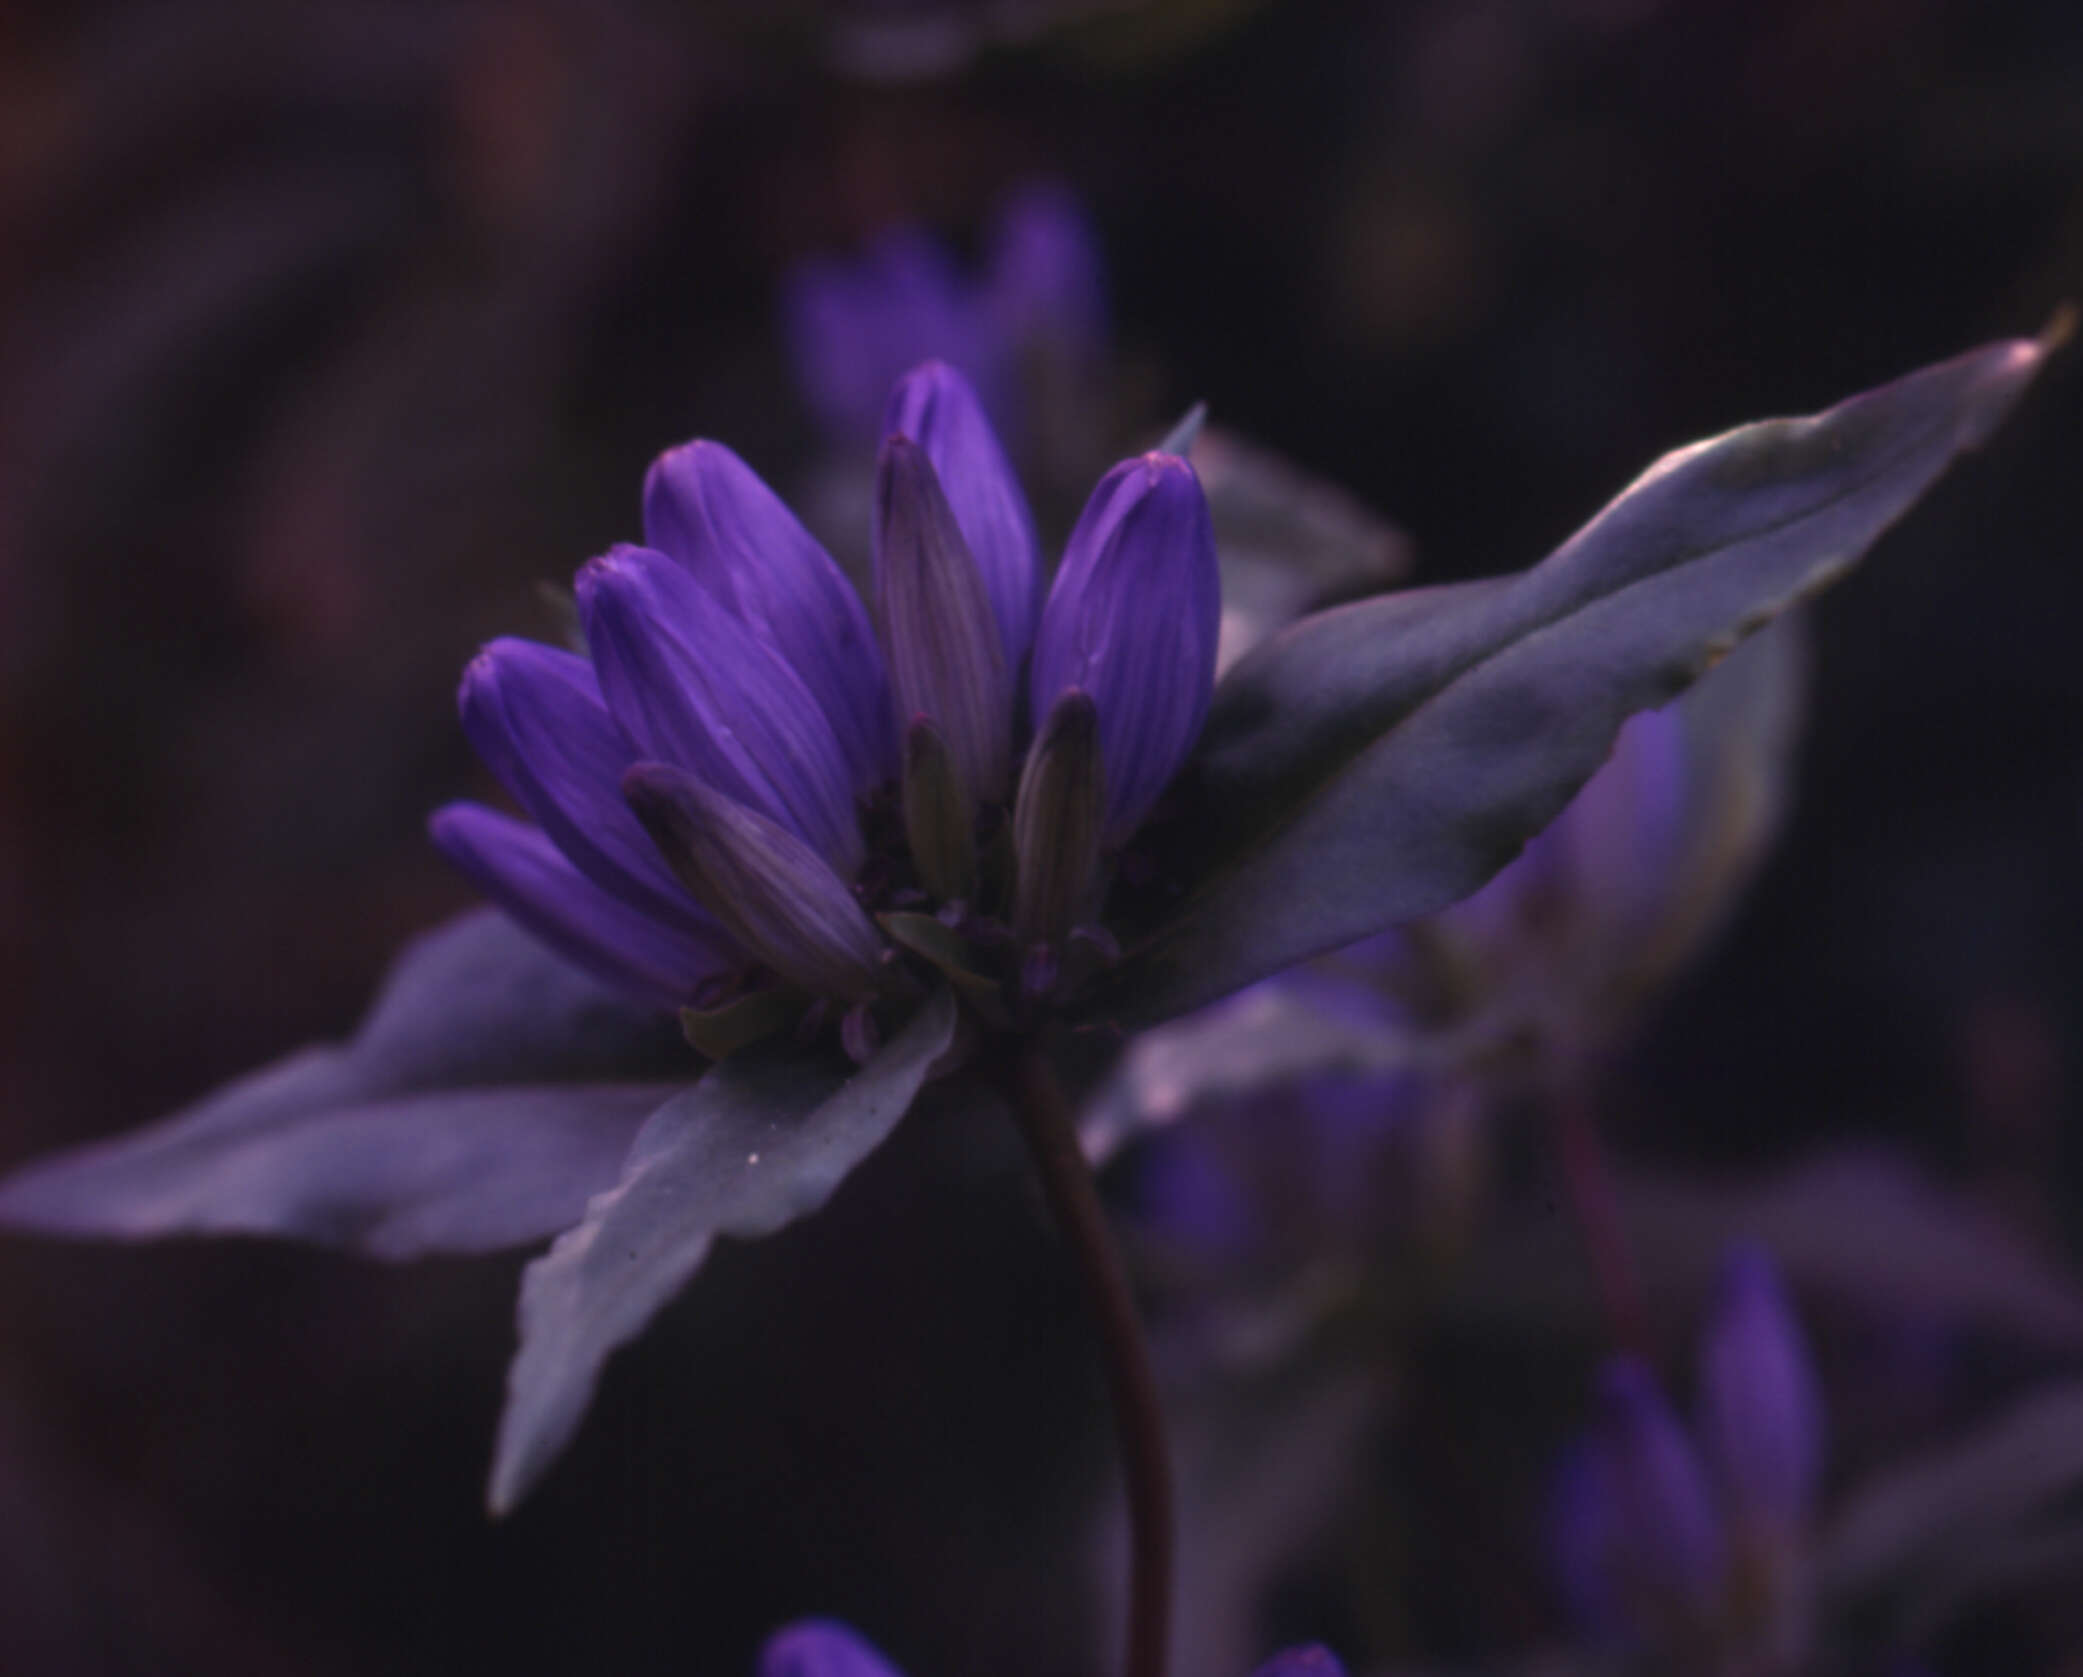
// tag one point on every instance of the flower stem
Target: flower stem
(1052, 1143)
(1588, 1176)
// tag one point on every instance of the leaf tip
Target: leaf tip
(2060, 328)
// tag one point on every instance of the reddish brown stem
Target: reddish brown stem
(1052, 1143)
(1588, 1177)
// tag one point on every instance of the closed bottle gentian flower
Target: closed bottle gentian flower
(713, 782)
(706, 508)
(947, 660)
(1132, 622)
(1664, 1543)
(935, 407)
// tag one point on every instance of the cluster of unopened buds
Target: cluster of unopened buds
(756, 805)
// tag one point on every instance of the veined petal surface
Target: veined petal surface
(1133, 620)
(535, 715)
(709, 510)
(947, 661)
(937, 408)
(693, 686)
(518, 867)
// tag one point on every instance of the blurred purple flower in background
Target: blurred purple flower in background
(1677, 1540)
(851, 326)
(1557, 955)
(826, 1648)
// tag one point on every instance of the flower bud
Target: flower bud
(821, 1648)
(1056, 822)
(935, 407)
(774, 894)
(1665, 1551)
(946, 660)
(707, 509)
(939, 816)
(1760, 1414)
(1132, 621)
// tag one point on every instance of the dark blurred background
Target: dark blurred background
(328, 331)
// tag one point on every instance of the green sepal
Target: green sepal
(946, 950)
(719, 1032)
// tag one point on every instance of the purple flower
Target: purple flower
(1132, 622)
(1664, 1536)
(821, 1648)
(711, 784)
(852, 326)
(1659, 1541)
(935, 407)
(827, 1648)
(1760, 1417)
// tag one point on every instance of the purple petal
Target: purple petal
(947, 662)
(524, 873)
(935, 406)
(1313, 1661)
(821, 1648)
(473, 1170)
(1666, 1535)
(706, 508)
(1761, 1418)
(693, 686)
(1133, 619)
(536, 717)
(1048, 277)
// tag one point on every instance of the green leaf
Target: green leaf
(1379, 761)
(762, 1140)
(1917, 1544)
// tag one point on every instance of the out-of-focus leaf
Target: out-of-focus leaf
(1271, 1034)
(1861, 1225)
(762, 1140)
(1289, 541)
(471, 1170)
(1996, 1510)
(1381, 760)
(1263, 1472)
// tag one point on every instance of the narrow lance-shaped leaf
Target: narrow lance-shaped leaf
(1380, 761)
(762, 1140)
